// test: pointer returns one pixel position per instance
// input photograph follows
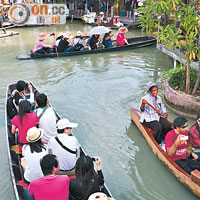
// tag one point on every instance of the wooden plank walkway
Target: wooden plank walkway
(8, 33)
(177, 55)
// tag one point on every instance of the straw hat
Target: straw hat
(65, 123)
(67, 35)
(34, 134)
(79, 33)
(101, 13)
(43, 36)
(123, 30)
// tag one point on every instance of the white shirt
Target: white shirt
(149, 114)
(33, 169)
(76, 40)
(48, 123)
(66, 159)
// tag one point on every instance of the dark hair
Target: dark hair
(153, 87)
(24, 107)
(84, 170)
(21, 85)
(179, 122)
(47, 163)
(36, 146)
(198, 116)
(60, 130)
(41, 100)
(16, 98)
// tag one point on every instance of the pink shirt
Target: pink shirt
(120, 39)
(29, 120)
(170, 138)
(40, 44)
(50, 188)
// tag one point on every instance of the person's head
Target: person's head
(101, 13)
(84, 36)
(24, 107)
(198, 119)
(84, 170)
(152, 88)
(67, 36)
(34, 138)
(180, 124)
(78, 34)
(49, 164)
(65, 126)
(122, 30)
(42, 36)
(21, 86)
(42, 100)
(59, 36)
(96, 35)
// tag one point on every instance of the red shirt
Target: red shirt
(195, 136)
(170, 138)
(29, 120)
(120, 39)
(50, 188)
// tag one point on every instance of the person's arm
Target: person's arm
(31, 100)
(172, 150)
(100, 174)
(142, 107)
(13, 130)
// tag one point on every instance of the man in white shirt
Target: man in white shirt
(65, 146)
(47, 117)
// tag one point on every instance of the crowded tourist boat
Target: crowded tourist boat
(22, 163)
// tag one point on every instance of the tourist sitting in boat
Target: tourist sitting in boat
(40, 47)
(50, 186)
(87, 181)
(77, 37)
(178, 147)
(81, 44)
(32, 153)
(100, 18)
(47, 116)
(121, 38)
(24, 121)
(94, 42)
(19, 93)
(195, 133)
(64, 45)
(107, 39)
(59, 37)
(151, 104)
(65, 146)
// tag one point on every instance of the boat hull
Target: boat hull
(137, 42)
(184, 177)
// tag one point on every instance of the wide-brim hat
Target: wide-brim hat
(101, 13)
(43, 36)
(65, 123)
(34, 134)
(60, 34)
(85, 35)
(123, 30)
(152, 84)
(79, 33)
(68, 35)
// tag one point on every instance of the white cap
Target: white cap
(65, 123)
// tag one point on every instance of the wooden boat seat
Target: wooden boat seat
(14, 157)
(16, 149)
(195, 176)
(17, 172)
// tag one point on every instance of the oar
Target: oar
(155, 109)
(56, 47)
(159, 112)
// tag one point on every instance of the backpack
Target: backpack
(11, 109)
(78, 46)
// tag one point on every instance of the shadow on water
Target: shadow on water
(152, 178)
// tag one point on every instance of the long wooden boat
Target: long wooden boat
(188, 180)
(15, 169)
(134, 43)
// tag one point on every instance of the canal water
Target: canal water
(96, 91)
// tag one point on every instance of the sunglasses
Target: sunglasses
(185, 126)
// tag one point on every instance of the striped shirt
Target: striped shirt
(149, 114)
